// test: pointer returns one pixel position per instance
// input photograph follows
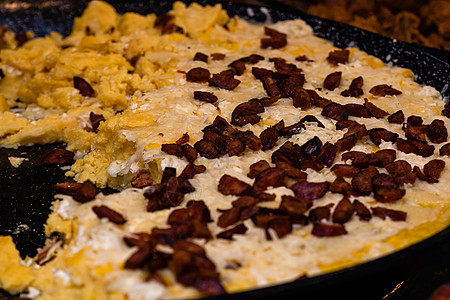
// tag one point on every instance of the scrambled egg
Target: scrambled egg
(138, 75)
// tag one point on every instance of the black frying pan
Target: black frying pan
(26, 192)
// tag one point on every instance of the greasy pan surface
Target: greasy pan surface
(26, 192)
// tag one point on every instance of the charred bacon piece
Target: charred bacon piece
(362, 211)
(397, 118)
(68, 188)
(401, 171)
(217, 56)
(332, 81)
(340, 186)
(85, 193)
(327, 154)
(322, 229)
(336, 57)
(445, 150)
(343, 211)
(58, 156)
(312, 119)
(198, 75)
(247, 112)
(335, 111)
(437, 132)
(293, 129)
(173, 149)
(142, 179)
(238, 67)
(269, 137)
(229, 185)
(362, 181)
(433, 169)
(311, 147)
(357, 110)
(206, 149)
(83, 86)
(224, 80)
(228, 234)
(95, 120)
(446, 111)
(205, 96)
(374, 111)
(355, 89)
(310, 190)
(183, 139)
(359, 159)
(276, 39)
(384, 157)
(345, 170)
(270, 177)
(415, 133)
(252, 59)
(394, 215)
(318, 100)
(201, 57)
(282, 225)
(377, 135)
(415, 120)
(383, 90)
(257, 168)
(113, 216)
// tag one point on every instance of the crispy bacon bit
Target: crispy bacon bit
(321, 229)
(437, 132)
(423, 149)
(311, 163)
(270, 86)
(318, 100)
(189, 152)
(276, 39)
(268, 138)
(238, 67)
(357, 110)
(332, 81)
(198, 75)
(384, 157)
(345, 170)
(359, 159)
(191, 170)
(339, 185)
(288, 152)
(228, 234)
(406, 146)
(327, 154)
(244, 201)
(257, 168)
(113, 216)
(217, 56)
(312, 119)
(293, 129)
(201, 57)
(384, 90)
(290, 84)
(229, 217)
(355, 89)
(268, 101)
(446, 111)
(336, 57)
(285, 69)
(260, 73)
(178, 217)
(165, 22)
(282, 225)
(401, 171)
(68, 188)
(394, 215)
(343, 212)
(234, 146)
(415, 133)
(291, 171)
(142, 179)
(445, 150)
(388, 194)
(183, 139)
(139, 257)
(397, 118)
(58, 156)
(374, 111)
(270, 177)
(335, 111)
(358, 131)
(229, 185)
(293, 206)
(172, 149)
(205, 96)
(83, 86)
(362, 211)
(433, 169)
(301, 58)
(48, 252)
(206, 149)
(378, 135)
(311, 147)
(95, 120)
(346, 143)
(310, 190)
(85, 193)
(415, 120)
(301, 98)
(250, 140)
(362, 182)
(242, 112)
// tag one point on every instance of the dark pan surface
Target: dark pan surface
(26, 192)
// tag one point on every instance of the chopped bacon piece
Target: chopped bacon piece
(301, 58)
(343, 211)
(206, 149)
(85, 193)
(446, 111)
(95, 120)
(205, 96)
(414, 120)
(228, 234)
(388, 194)
(346, 143)
(276, 39)
(355, 89)
(321, 229)
(183, 139)
(269, 137)
(178, 217)
(423, 148)
(210, 286)
(362, 182)
(362, 211)
(198, 75)
(335, 111)
(246, 109)
(234, 146)
(291, 171)
(336, 57)
(374, 111)
(293, 206)
(401, 171)
(310, 190)
(224, 80)
(252, 59)
(311, 147)
(310, 163)
(383, 90)
(270, 86)
(201, 57)
(217, 56)
(359, 159)
(384, 157)
(244, 201)
(293, 129)
(113, 216)
(142, 179)
(229, 217)
(139, 257)
(339, 185)
(406, 146)
(301, 98)
(397, 118)
(199, 211)
(58, 156)
(327, 154)
(168, 173)
(172, 149)
(437, 132)
(270, 177)
(289, 85)
(345, 170)
(286, 69)
(250, 140)
(282, 225)
(394, 215)
(433, 169)
(268, 101)
(229, 185)
(415, 133)
(257, 168)
(377, 135)
(312, 119)
(260, 73)
(332, 81)
(83, 86)
(318, 100)
(383, 180)
(68, 188)
(357, 110)
(445, 150)
(189, 152)
(238, 67)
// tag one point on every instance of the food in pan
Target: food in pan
(243, 155)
